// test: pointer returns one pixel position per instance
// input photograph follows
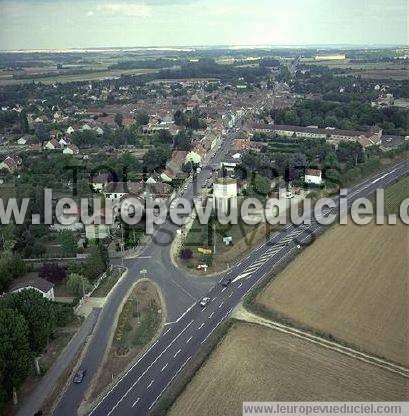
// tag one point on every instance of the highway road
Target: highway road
(179, 289)
(139, 390)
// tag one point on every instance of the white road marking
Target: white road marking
(221, 320)
(214, 298)
(164, 367)
(177, 352)
(220, 305)
(140, 377)
(240, 285)
(223, 289)
(186, 311)
(150, 384)
(170, 381)
(136, 401)
(189, 339)
(210, 316)
(167, 331)
(231, 294)
(201, 326)
(241, 276)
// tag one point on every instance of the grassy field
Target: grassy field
(395, 74)
(351, 283)
(395, 194)
(244, 237)
(254, 363)
(6, 79)
(108, 283)
(373, 70)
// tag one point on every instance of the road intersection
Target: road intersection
(188, 324)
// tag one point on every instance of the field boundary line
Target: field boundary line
(242, 314)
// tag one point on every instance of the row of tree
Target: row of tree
(352, 116)
(27, 324)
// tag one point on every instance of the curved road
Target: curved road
(189, 325)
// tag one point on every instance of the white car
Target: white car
(204, 301)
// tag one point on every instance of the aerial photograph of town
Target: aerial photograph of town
(204, 207)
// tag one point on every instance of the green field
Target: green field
(7, 78)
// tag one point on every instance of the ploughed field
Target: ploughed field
(351, 283)
(255, 363)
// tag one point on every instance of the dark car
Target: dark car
(226, 282)
(79, 376)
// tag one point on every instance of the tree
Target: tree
(85, 138)
(38, 313)
(68, 244)
(261, 184)
(119, 118)
(23, 122)
(8, 236)
(96, 262)
(11, 266)
(182, 141)
(52, 272)
(15, 354)
(141, 119)
(42, 133)
(350, 152)
(165, 137)
(180, 118)
(187, 167)
(156, 158)
(78, 284)
(186, 254)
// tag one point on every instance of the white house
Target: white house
(71, 149)
(52, 145)
(38, 284)
(70, 130)
(85, 127)
(313, 176)
(62, 142)
(23, 140)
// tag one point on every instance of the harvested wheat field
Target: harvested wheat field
(351, 283)
(256, 363)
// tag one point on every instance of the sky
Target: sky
(57, 24)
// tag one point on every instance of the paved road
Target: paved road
(48, 382)
(137, 392)
(179, 289)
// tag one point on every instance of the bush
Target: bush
(78, 284)
(186, 254)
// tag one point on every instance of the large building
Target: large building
(365, 138)
(330, 57)
(224, 194)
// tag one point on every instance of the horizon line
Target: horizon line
(191, 48)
